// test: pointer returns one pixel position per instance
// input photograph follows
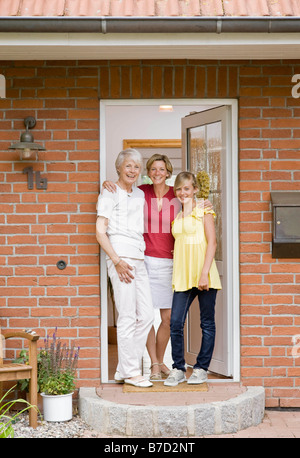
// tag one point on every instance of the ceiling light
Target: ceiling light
(166, 108)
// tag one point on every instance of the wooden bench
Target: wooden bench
(13, 371)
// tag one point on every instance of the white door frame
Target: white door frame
(233, 224)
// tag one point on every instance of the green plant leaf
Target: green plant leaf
(6, 428)
(6, 431)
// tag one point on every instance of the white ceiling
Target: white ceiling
(70, 46)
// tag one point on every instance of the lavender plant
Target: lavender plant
(58, 365)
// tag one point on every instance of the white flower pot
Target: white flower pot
(58, 407)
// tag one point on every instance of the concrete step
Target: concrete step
(129, 420)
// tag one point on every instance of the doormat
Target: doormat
(159, 387)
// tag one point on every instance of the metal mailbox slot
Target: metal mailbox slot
(286, 224)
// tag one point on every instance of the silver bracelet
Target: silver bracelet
(118, 262)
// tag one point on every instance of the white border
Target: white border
(233, 222)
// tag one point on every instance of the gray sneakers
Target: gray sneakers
(198, 376)
(176, 376)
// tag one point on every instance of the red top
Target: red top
(157, 232)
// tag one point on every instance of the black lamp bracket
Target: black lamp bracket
(29, 122)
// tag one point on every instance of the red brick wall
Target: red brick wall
(38, 228)
(269, 161)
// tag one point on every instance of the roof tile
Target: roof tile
(284, 7)
(149, 8)
(9, 8)
(41, 8)
(87, 8)
(246, 8)
(211, 8)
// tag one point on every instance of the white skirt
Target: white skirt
(160, 276)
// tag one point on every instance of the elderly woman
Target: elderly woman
(119, 231)
(161, 208)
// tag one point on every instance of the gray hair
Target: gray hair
(129, 153)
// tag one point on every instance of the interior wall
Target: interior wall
(140, 122)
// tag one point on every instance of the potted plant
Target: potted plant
(57, 374)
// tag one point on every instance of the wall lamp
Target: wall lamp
(28, 148)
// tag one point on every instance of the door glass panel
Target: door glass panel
(205, 147)
(205, 143)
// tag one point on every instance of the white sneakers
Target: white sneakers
(177, 376)
(198, 376)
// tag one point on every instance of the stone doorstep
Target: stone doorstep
(220, 417)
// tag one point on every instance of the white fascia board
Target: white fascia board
(60, 46)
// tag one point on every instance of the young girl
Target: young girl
(194, 274)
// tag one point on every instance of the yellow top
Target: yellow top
(189, 251)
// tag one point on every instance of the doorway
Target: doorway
(141, 121)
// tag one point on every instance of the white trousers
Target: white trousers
(135, 316)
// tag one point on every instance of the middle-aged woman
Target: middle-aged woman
(161, 208)
(119, 231)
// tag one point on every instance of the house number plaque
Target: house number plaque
(40, 182)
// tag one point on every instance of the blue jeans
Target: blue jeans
(180, 306)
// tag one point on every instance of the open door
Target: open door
(205, 143)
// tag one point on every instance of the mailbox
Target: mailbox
(286, 224)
